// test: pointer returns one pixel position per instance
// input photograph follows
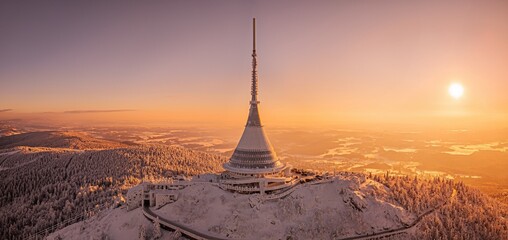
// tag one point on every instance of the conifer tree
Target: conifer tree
(157, 234)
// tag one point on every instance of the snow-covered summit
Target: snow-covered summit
(347, 205)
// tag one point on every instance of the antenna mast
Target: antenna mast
(254, 90)
(254, 34)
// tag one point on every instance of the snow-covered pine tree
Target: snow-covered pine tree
(175, 236)
(157, 234)
(142, 232)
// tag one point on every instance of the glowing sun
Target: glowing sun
(456, 90)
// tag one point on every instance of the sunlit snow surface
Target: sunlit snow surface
(312, 211)
(115, 223)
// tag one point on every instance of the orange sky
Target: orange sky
(320, 62)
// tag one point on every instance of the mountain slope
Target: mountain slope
(57, 139)
(54, 184)
(58, 175)
(349, 207)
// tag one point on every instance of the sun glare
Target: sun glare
(456, 90)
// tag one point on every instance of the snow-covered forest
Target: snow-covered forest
(41, 187)
(461, 212)
(469, 214)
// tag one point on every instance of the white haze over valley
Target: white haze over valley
(449, 154)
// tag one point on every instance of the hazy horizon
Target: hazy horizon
(322, 64)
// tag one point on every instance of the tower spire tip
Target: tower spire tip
(254, 34)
